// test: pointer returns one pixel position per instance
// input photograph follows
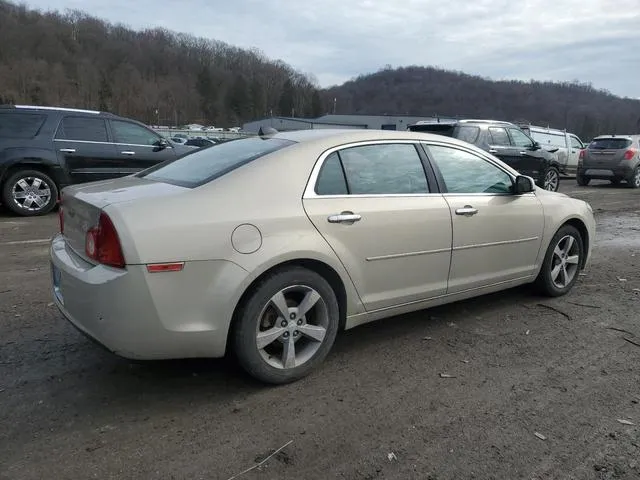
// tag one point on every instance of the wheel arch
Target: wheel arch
(579, 225)
(321, 268)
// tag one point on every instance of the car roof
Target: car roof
(41, 108)
(327, 138)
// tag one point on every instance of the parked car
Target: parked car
(567, 146)
(199, 142)
(43, 149)
(611, 157)
(504, 140)
(304, 233)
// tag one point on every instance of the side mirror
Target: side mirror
(163, 143)
(535, 146)
(524, 184)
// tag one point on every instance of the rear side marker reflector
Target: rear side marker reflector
(165, 267)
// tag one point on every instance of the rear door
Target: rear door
(84, 150)
(377, 208)
(138, 147)
(496, 235)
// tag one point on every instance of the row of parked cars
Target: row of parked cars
(545, 154)
(44, 149)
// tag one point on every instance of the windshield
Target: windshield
(610, 143)
(203, 166)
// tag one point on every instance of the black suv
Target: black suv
(43, 149)
(504, 140)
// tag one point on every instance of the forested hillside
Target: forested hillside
(426, 91)
(73, 59)
(159, 76)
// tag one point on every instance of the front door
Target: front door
(575, 148)
(83, 149)
(138, 147)
(496, 234)
(530, 159)
(372, 204)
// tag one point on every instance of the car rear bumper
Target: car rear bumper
(147, 316)
(605, 173)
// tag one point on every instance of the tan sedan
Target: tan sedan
(268, 246)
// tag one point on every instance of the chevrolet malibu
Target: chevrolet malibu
(268, 246)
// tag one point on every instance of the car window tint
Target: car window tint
(83, 129)
(20, 125)
(575, 143)
(610, 144)
(499, 136)
(207, 164)
(519, 139)
(464, 172)
(468, 133)
(125, 132)
(331, 179)
(384, 169)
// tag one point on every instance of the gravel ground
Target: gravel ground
(537, 390)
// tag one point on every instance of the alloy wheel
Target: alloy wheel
(31, 193)
(551, 180)
(565, 261)
(292, 327)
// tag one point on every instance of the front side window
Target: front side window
(464, 172)
(207, 164)
(499, 136)
(82, 129)
(385, 169)
(519, 138)
(132, 134)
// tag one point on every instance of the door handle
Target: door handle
(344, 217)
(68, 150)
(493, 150)
(128, 152)
(523, 152)
(467, 211)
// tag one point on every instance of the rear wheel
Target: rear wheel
(30, 193)
(582, 180)
(634, 179)
(561, 263)
(287, 326)
(551, 180)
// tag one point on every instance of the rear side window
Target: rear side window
(467, 133)
(202, 166)
(499, 136)
(82, 129)
(384, 169)
(20, 125)
(610, 144)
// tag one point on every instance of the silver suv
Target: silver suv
(611, 157)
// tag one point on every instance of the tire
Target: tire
(582, 180)
(550, 284)
(551, 179)
(35, 184)
(634, 180)
(259, 315)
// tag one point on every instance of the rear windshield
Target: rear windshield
(437, 128)
(610, 143)
(202, 166)
(20, 125)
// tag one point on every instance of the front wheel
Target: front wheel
(287, 326)
(30, 193)
(551, 180)
(634, 180)
(561, 263)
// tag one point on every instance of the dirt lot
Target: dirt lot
(522, 365)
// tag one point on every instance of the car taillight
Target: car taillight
(581, 156)
(628, 155)
(102, 243)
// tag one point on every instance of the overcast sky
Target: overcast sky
(594, 41)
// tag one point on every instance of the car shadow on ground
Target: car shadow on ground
(220, 381)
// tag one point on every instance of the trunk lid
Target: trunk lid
(83, 203)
